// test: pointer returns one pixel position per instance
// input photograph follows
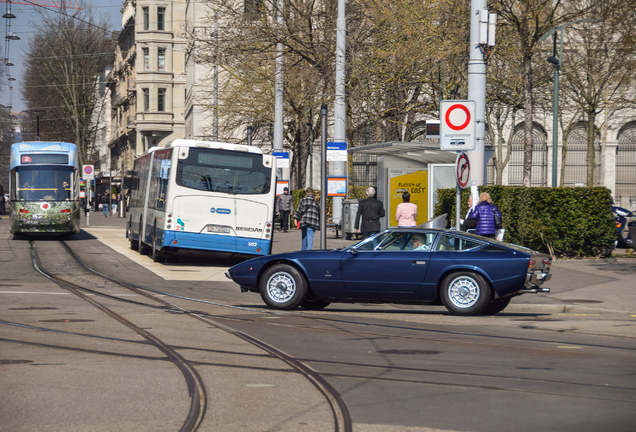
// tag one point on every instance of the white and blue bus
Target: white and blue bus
(202, 195)
(44, 188)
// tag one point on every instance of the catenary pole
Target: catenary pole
(278, 104)
(340, 109)
(477, 93)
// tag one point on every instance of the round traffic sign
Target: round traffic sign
(463, 170)
(457, 117)
(88, 169)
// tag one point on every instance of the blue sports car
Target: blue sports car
(468, 274)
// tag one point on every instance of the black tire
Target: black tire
(154, 253)
(497, 306)
(283, 287)
(134, 245)
(314, 303)
(465, 293)
(141, 246)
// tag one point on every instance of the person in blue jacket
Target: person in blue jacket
(487, 215)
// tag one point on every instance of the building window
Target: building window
(146, 93)
(146, 59)
(161, 18)
(161, 59)
(146, 20)
(161, 99)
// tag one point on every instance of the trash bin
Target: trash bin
(349, 210)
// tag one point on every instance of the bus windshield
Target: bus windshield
(224, 171)
(52, 183)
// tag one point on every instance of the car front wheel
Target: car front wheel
(282, 286)
(465, 293)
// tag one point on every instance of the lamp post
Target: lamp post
(556, 61)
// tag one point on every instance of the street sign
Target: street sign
(457, 125)
(282, 159)
(463, 170)
(88, 172)
(336, 151)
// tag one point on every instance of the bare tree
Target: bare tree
(599, 68)
(531, 19)
(67, 54)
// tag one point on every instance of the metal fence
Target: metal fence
(625, 191)
(576, 158)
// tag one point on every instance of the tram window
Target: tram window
(44, 183)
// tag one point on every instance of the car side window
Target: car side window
(451, 243)
(371, 243)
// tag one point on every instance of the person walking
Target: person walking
(105, 202)
(370, 210)
(488, 216)
(284, 203)
(308, 213)
(406, 212)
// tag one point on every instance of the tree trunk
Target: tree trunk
(590, 159)
(528, 129)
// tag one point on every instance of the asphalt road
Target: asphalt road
(563, 361)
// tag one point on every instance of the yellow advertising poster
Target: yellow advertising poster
(416, 183)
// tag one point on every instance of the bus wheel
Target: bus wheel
(134, 245)
(142, 248)
(154, 254)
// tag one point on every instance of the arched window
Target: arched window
(576, 157)
(625, 191)
(538, 176)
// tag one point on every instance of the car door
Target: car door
(387, 270)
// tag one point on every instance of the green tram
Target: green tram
(44, 188)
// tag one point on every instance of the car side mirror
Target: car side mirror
(353, 251)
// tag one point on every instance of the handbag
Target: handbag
(498, 223)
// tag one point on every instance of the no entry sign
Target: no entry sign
(462, 170)
(457, 125)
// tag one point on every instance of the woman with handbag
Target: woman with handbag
(488, 216)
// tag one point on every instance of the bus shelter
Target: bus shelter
(417, 167)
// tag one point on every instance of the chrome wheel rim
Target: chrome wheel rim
(281, 287)
(464, 292)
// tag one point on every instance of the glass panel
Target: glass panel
(232, 173)
(44, 183)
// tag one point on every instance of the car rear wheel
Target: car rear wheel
(497, 306)
(283, 287)
(465, 293)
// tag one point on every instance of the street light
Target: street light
(556, 61)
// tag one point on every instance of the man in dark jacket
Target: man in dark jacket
(370, 210)
(284, 203)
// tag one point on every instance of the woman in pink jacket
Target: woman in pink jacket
(406, 212)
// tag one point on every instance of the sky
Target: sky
(109, 10)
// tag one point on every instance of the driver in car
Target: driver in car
(418, 241)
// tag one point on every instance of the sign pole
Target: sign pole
(463, 175)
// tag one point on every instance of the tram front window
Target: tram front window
(44, 183)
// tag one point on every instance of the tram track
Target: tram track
(196, 387)
(332, 324)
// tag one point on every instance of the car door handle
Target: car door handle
(417, 262)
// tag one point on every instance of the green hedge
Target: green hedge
(565, 222)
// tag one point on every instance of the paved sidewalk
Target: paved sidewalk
(577, 286)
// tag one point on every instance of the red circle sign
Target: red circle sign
(463, 170)
(448, 117)
(88, 170)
